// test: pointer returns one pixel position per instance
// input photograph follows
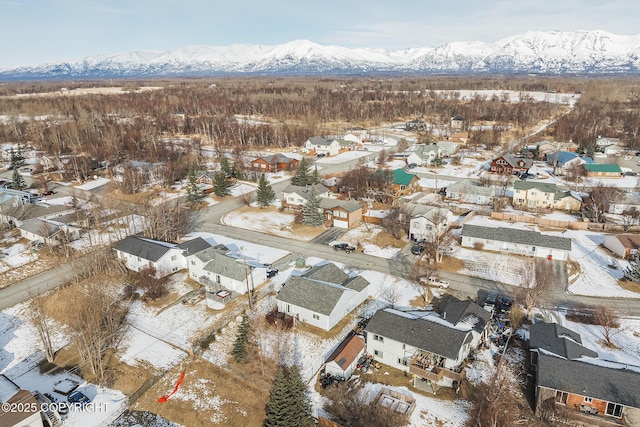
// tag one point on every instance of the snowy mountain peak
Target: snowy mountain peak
(551, 52)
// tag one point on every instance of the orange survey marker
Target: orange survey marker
(166, 397)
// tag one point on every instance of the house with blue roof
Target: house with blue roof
(564, 160)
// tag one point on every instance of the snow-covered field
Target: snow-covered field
(513, 96)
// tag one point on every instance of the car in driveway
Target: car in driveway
(320, 155)
(343, 247)
(417, 249)
(271, 272)
(78, 398)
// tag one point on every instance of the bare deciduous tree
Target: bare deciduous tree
(600, 198)
(37, 315)
(390, 294)
(609, 320)
(535, 281)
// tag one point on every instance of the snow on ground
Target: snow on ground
(596, 278)
(16, 255)
(242, 187)
(114, 230)
(94, 183)
(265, 221)
(342, 157)
(364, 234)
(252, 251)
(512, 95)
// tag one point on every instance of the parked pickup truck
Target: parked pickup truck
(344, 247)
(434, 281)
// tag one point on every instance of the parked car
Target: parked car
(343, 247)
(434, 281)
(412, 165)
(322, 154)
(272, 272)
(417, 249)
(77, 397)
(48, 193)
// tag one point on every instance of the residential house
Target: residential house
(274, 163)
(623, 245)
(457, 122)
(149, 173)
(544, 148)
(625, 202)
(509, 164)
(14, 212)
(19, 197)
(602, 170)
(415, 125)
(572, 377)
(468, 314)
(295, 196)
(602, 142)
(403, 183)
(541, 195)
(205, 177)
(139, 253)
(447, 148)
(322, 296)
(344, 359)
(424, 154)
(22, 408)
(341, 213)
(512, 240)
(49, 232)
(612, 150)
(224, 274)
(422, 344)
(427, 222)
(562, 161)
(326, 146)
(467, 191)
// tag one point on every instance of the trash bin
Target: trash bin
(550, 257)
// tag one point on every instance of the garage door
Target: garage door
(340, 223)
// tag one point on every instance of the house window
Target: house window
(614, 410)
(378, 338)
(315, 316)
(377, 353)
(193, 262)
(561, 397)
(139, 259)
(402, 361)
(402, 187)
(288, 308)
(173, 258)
(217, 278)
(588, 399)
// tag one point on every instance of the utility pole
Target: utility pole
(246, 278)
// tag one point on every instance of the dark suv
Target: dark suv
(343, 247)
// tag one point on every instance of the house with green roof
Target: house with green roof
(322, 296)
(602, 170)
(404, 183)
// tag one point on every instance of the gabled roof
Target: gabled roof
(418, 332)
(616, 385)
(144, 248)
(193, 246)
(514, 235)
(347, 351)
(469, 187)
(223, 265)
(276, 158)
(39, 227)
(327, 273)
(26, 211)
(347, 205)
(320, 288)
(400, 177)
(424, 151)
(513, 160)
(631, 241)
(558, 340)
(304, 191)
(320, 141)
(602, 167)
(540, 186)
(466, 313)
(561, 157)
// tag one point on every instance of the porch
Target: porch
(431, 367)
(217, 295)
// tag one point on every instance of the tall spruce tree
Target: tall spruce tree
(264, 193)
(225, 167)
(288, 404)
(315, 178)
(17, 161)
(240, 351)
(302, 177)
(311, 212)
(221, 184)
(194, 194)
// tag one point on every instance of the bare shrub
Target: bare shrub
(153, 287)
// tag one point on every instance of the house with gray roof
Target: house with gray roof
(341, 213)
(625, 202)
(588, 389)
(223, 273)
(468, 313)
(322, 296)
(424, 154)
(326, 146)
(542, 195)
(468, 191)
(14, 212)
(551, 338)
(427, 222)
(420, 343)
(295, 196)
(517, 241)
(139, 253)
(48, 232)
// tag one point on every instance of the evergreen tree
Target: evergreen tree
(221, 184)
(239, 351)
(194, 194)
(311, 212)
(632, 272)
(288, 404)
(302, 177)
(315, 178)
(17, 159)
(18, 182)
(264, 193)
(225, 167)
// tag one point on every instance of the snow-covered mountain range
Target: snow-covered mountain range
(554, 52)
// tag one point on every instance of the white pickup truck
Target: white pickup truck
(434, 281)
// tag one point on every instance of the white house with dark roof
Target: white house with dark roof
(427, 222)
(467, 191)
(326, 146)
(517, 241)
(219, 270)
(139, 253)
(420, 343)
(623, 245)
(551, 338)
(48, 231)
(322, 296)
(424, 154)
(295, 196)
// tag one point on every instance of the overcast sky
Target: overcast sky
(40, 31)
